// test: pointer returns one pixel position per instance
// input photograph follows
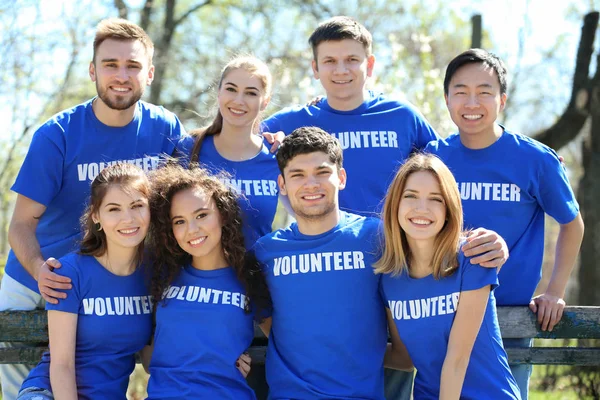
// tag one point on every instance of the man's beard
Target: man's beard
(121, 103)
(326, 210)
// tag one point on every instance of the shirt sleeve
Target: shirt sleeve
(176, 133)
(272, 124)
(475, 276)
(40, 177)
(74, 296)
(555, 195)
(425, 132)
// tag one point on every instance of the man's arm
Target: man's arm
(21, 234)
(486, 248)
(24, 243)
(550, 305)
(396, 355)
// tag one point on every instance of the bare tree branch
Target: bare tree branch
(146, 13)
(191, 11)
(578, 110)
(122, 8)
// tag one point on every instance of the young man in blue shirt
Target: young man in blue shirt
(376, 133)
(65, 155)
(508, 182)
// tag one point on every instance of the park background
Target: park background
(551, 48)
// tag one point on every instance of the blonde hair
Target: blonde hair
(253, 66)
(123, 30)
(396, 255)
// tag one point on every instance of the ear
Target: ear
(503, 98)
(150, 78)
(265, 103)
(92, 71)
(281, 183)
(95, 218)
(446, 99)
(315, 68)
(370, 65)
(343, 177)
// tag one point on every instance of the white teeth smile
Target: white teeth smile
(197, 241)
(237, 112)
(473, 117)
(129, 231)
(418, 221)
(120, 89)
(342, 81)
(313, 197)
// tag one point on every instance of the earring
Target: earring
(98, 226)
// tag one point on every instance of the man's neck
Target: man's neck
(481, 140)
(347, 104)
(313, 227)
(110, 117)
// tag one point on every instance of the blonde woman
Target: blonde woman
(442, 306)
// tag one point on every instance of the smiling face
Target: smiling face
(124, 217)
(197, 228)
(241, 98)
(422, 209)
(343, 68)
(312, 183)
(121, 71)
(474, 100)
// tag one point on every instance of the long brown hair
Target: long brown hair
(127, 177)
(255, 67)
(167, 258)
(397, 256)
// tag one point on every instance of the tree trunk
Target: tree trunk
(589, 195)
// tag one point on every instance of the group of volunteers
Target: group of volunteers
(139, 238)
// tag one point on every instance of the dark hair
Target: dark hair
(477, 56)
(167, 258)
(127, 177)
(122, 30)
(255, 67)
(309, 139)
(340, 28)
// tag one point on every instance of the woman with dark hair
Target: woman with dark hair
(107, 315)
(202, 284)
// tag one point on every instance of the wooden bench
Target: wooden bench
(515, 322)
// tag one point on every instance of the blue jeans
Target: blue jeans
(33, 393)
(521, 372)
(398, 384)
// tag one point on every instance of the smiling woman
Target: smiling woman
(98, 320)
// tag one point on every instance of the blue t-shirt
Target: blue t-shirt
(376, 137)
(114, 322)
(424, 309)
(329, 331)
(200, 333)
(255, 180)
(66, 154)
(507, 187)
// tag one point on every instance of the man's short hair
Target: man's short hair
(340, 28)
(306, 140)
(477, 56)
(123, 30)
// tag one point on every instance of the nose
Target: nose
(311, 181)
(341, 68)
(122, 74)
(128, 215)
(472, 101)
(422, 204)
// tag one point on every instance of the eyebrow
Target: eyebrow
(249, 87)
(118, 205)
(462, 85)
(107, 60)
(195, 212)
(416, 191)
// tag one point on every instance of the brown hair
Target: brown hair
(340, 28)
(396, 256)
(256, 68)
(127, 177)
(168, 258)
(122, 30)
